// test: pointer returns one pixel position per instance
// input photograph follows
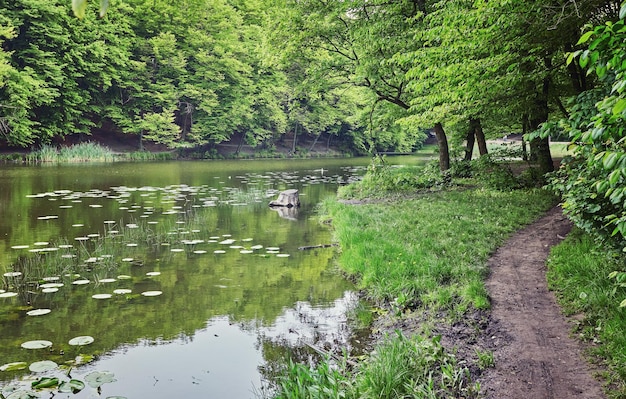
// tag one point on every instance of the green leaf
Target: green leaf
(622, 11)
(73, 386)
(571, 56)
(610, 160)
(585, 37)
(45, 382)
(619, 106)
(623, 304)
(79, 7)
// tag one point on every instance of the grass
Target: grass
(578, 271)
(431, 250)
(83, 152)
(424, 253)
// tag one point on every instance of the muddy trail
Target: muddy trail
(535, 357)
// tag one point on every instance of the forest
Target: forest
(376, 75)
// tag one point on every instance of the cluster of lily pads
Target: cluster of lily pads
(28, 388)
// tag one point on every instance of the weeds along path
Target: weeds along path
(535, 358)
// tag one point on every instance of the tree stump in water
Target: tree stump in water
(287, 198)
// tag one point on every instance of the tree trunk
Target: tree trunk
(442, 142)
(295, 137)
(480, 137)
(540, 147)
(469, 143)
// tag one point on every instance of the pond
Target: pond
(161, 280)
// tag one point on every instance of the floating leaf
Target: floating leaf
(152, 274)
(124, 277)
(37, 344)
(49, 290)
(45, 382)
(51, 285)
(14, 366)
(107, 280)
(81, 340)
(96, 378)
(8, 294)
(151, 293)
(73, 386)
(101, 296)
(12, 274)
(42, 366)
(38, 312)
(19, 246)
(22, 394)
(80, 282)
(122, 291)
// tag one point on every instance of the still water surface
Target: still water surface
(214, 285)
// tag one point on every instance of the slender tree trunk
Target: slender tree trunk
(480, 137)
(442, 142)
(469, 143)
(540, 147)
(240, 145)
(295, 137)
(315, 142)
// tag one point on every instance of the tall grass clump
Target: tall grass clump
(578, 272)
(83, 152)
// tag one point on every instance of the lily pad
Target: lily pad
(151, 293)
(23, 394)
(124, 277)
(49, 290)
(96, 379)
(19, 246)
(37, 344)
(42, 366)
(80, 282)
(8, 294)
(80, 341)
(45, 382)
(152, 274)
(122, 291)
(38, 312)
(73, 386)
(107, 280)
(12, 274)
(101, 296)
(51, 285)
(14, 366)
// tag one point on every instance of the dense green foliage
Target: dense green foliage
(577, 271)
(593, 181)
(183, 73)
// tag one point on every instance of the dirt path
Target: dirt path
(534, 356)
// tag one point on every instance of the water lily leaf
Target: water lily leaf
(37, 344)
(80, 282)
(38, 312)
(73, 386)
(122, 291)
(8, 294)
(101, 296)
(81, 340)
(44, 365)
(14, 366)
(151, 293)
(97, 378)
(12, 274)
(21, 394)
(152, 274)
(45, 382)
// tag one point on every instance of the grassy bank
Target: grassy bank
(578, 272)
(416, 251)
